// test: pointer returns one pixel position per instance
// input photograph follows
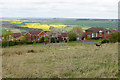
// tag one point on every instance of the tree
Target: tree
(115, 37)
(8, 36)
(72, 36)
(79, 32)
(54, 32)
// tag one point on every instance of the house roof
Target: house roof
(64, 34)
(113, 30)
(46, 31)
(16, 35)
(97, 29)
(35, 32)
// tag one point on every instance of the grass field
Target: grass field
(60, 61)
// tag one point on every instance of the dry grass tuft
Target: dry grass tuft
(31, 51)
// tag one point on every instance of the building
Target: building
(97, 33)
(35, 35)
(16, 36)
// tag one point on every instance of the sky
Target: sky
(104, 9)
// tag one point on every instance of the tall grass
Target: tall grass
(60, 61)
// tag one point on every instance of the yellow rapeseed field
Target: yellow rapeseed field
(44, 27)
(16, 22)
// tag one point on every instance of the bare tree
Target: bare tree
(79, 32)
(54, 32)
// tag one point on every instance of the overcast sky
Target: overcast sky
(59, 8)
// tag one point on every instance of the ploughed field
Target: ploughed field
(60, 61)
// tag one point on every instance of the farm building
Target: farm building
(98, 33)
(35, 35)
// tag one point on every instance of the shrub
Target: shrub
(65, 40)
(29, 42)
(56, 40)
(41, 39)
(46, 39)
(115, 37)
(105, 41)
(52, 40)
(72, 36)
(4, 43)
(88, 37)
(11, 43)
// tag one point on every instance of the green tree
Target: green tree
(115, 37)
(8, 36)
(72, 36)
(79, 32)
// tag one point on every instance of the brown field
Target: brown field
(60, 61)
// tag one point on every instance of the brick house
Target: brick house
(16, 36)
(97, 33)
(35, 35)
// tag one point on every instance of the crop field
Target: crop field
(60, 61)
(43, 27)
(65, 24)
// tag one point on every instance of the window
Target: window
(92, 35)
(100, 32)
(96, 35)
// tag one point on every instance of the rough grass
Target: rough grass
(60, 61)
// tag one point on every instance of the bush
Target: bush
(56, 40)
(65, 40)
(29, 42)
(88, 37)
(115, 37)
(46, 39)
(72, 36)
(11, 43)
(4, 43)
(105, 41)
(52, 40)
(41, 39)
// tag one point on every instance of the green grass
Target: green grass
(60, 61)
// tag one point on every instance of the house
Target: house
(16, 36)
(21, 37)
(97, 33)
(35, 35)
(64, 36)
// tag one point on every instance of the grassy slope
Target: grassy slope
(66, 61)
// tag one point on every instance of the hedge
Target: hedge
(12, 43)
